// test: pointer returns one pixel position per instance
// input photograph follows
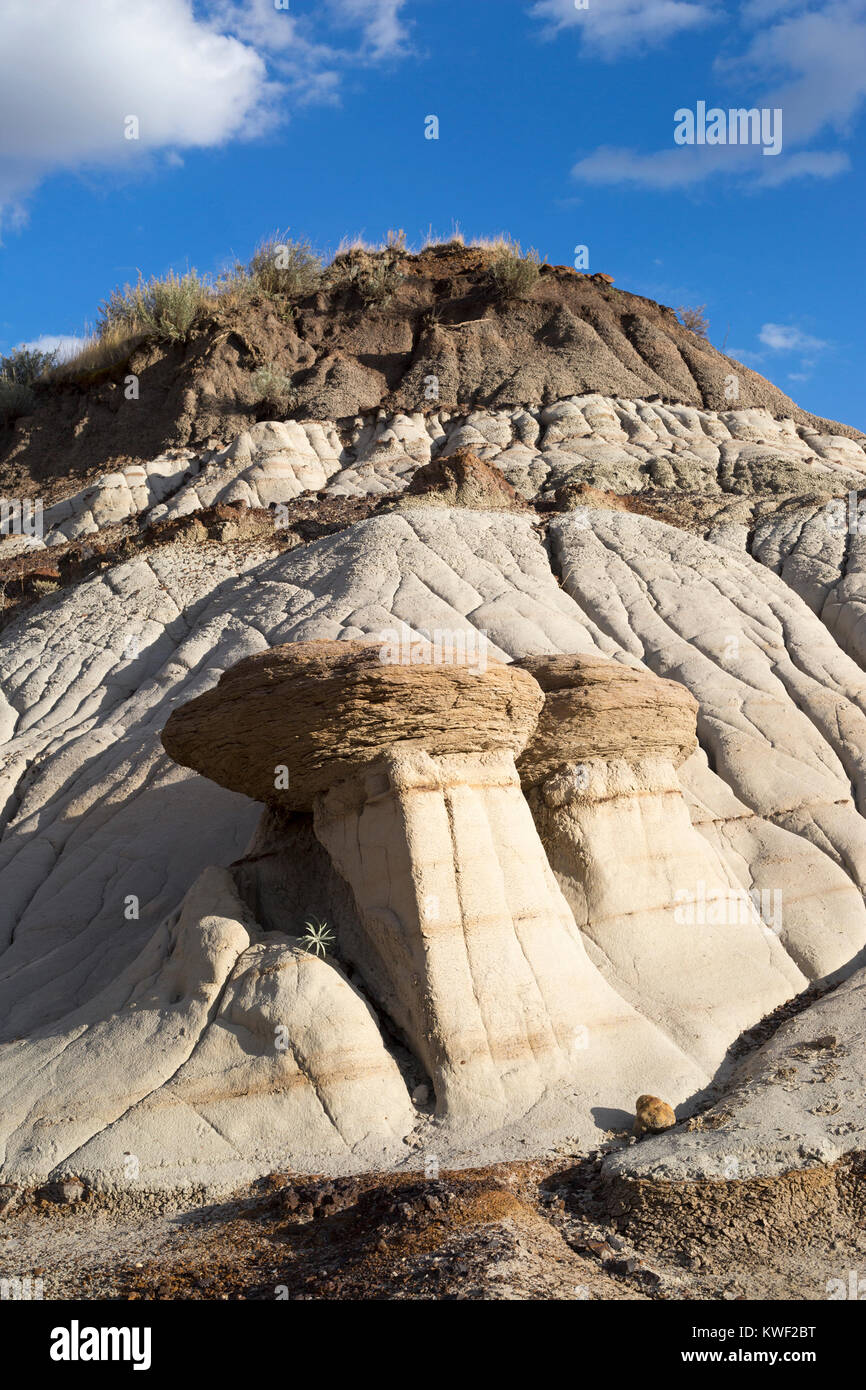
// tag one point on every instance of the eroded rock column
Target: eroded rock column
(661, 915)
(462, 933)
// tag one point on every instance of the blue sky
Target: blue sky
(556, 124)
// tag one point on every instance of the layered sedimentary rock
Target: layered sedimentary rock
(95, 815)
(215, 1045)
(326, 711)
(782, 713)
(615, 444)
(576, 556)
(665, 920)
(464, 940)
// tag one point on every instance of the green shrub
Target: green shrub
(373, 275)
(273, 389)
(281, 267)
(165, 308)
(513, 275)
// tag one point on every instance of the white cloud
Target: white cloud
(815, 164)
(781, 337)
(70, 75)
(616, 27)
(746, 357)
(809, 59)
(64, 344)
(812, 64)
(295, 46)
(688, 165)
(379, 20)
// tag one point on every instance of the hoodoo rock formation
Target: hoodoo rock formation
(575, 863)
(463, 937)
(665, 921)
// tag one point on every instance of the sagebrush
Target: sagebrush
(512, 273)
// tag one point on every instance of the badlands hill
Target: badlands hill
(612, 842)
(350, 348)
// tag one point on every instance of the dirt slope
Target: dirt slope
(344, 357)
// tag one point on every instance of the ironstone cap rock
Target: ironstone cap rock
(598, 708)
(324, 709)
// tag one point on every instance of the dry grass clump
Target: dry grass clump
(164, 308)
(283, 268)
(512, 273)
(167, 308)
(19, 371)
(102, 350)
(695, 319)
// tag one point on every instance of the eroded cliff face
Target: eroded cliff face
(538, 909)
(442, 339)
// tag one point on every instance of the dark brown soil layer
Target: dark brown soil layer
(519, 1231)
(342, 356)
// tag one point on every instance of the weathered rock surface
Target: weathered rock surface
(781, 707)
(329, 710)
(443, 342)
(554, 486)
(464, 939)
(471, 949)
(103, 836)
(799, 1100)
(595, 708)
(213, 1048)
(664, 918)
(615, 444)
(461, 479)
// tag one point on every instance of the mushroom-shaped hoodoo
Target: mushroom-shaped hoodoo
(465, 940)
(286, 726)
(663, 917)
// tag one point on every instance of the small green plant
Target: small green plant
(317, 937)
(281, 267)
(16, 400)
(695, 319)
(513, 274)
(19, 370)
(273, 389)
(373, 275)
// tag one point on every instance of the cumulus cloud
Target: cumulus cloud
(71, 75)
(781, 337)
(64, 344)
(617, 27)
